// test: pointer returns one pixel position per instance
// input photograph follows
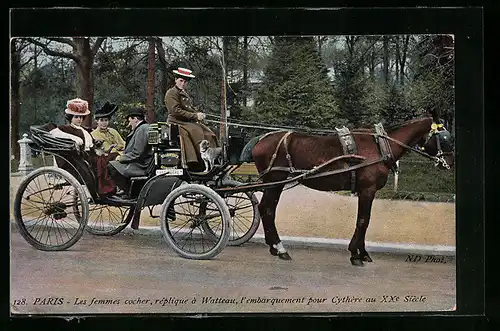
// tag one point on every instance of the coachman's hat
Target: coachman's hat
(77, 107)
(106, 110)
(184, 72)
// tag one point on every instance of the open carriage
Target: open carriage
(203, 212)
(54, 205)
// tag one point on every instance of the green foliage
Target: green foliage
(120, 121)
(351, 91)
(44, 93)
(296, 88)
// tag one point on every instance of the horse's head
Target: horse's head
(438, 143)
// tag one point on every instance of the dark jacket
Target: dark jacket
(137, 155)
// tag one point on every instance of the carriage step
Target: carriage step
(120, 200)
(139, 178)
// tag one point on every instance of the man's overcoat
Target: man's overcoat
(137, 155)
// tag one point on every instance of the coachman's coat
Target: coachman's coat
(137, 155)
(182, 113)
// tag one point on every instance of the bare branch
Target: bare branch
(67, 41)
(48, 51)
(97, 44)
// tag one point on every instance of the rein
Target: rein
(310, 173)
(437, 159)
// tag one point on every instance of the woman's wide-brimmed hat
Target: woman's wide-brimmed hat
(106, 110)
(77, 107)
(184, 72)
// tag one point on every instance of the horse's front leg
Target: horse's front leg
(357, 244)
(267, 210)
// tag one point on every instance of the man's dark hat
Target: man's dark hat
(135, 111)
(106, 110)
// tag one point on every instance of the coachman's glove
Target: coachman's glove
(200, 116)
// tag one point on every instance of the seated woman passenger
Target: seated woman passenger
(75, 112)
(112, 143)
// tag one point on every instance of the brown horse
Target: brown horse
(279, 155)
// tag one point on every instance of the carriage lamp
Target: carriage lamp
(153, 134)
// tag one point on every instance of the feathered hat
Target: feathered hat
(77, 107)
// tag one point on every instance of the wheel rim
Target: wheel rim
(241, 209)
(46, 210)
(104, 219)
(193, 213)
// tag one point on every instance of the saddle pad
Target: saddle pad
(347, 141)
(384, 146)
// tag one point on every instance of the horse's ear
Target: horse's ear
(435, 115)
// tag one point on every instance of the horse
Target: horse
(280, 154)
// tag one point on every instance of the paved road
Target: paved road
(140, 274)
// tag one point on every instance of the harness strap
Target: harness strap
(335, 172)
(288, 156)
(273, 158)
(308, 172)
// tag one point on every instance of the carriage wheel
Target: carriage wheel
(105, 220)
(244, 210)
(183, 215)
(44, 209)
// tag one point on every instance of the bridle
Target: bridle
(439, 131)
(439, 158)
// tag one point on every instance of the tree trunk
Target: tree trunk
(163, 66)
(150, 116)
(372, 64)
(84, 78)
(398, 59)
(15, 99)
(225, 51)
(385, 60)
(403, 60)
(245, 70)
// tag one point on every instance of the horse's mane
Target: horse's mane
(394, 127)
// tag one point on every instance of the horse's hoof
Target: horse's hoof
(356, 261)
(367, 258)
(273, 251)
(285, 256)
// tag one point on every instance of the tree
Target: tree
(82, 53)
(296, 89)
(433, 79)
(351, 83)
(150, 116)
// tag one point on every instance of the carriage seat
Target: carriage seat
(173, 135)
(42, 139)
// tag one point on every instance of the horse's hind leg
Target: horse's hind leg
(267, 209)
(357, 244)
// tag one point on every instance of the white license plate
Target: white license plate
(170, 172)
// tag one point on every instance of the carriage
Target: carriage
(201, 213)
(54, 206)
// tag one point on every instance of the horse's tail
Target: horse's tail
(246, 153)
